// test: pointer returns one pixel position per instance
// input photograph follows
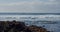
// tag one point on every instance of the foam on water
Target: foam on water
(36, 20)
(31, 17)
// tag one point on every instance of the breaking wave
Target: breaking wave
(30, 17)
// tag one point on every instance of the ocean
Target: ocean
(51, 21)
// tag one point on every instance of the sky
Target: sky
(30, 6)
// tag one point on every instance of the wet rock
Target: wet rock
(37, 29)
(17, 26)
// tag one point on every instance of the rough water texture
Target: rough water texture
(49, 21)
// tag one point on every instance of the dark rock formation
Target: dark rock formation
(15, 26)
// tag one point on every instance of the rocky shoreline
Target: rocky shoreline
(17, 26)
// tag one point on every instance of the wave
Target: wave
(31, 17)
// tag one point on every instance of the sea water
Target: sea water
(50, 21)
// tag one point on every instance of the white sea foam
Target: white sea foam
(30, 17)
(37, 18)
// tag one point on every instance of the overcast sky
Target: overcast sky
(30, 6)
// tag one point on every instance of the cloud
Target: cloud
(52, 0)
(31, 6)
(28, 3)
